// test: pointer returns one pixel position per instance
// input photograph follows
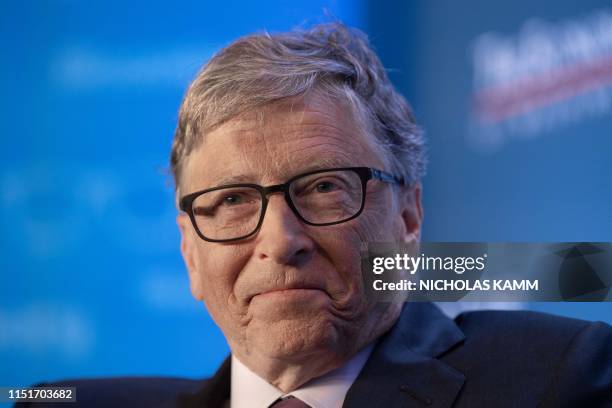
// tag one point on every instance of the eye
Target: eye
(325, 187)
(232, 199)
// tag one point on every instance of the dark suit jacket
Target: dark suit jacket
(481, 359)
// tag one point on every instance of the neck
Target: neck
(289, 375)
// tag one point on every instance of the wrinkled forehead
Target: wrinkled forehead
(272, 143)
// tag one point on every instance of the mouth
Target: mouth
(294, 292)
(287, 284)
(293, 296)
(291, 290)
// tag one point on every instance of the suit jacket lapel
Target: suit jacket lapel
(403, 369)
(215, 392)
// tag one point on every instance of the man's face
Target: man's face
(293, 290)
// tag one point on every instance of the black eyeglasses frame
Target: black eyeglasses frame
(365, 174)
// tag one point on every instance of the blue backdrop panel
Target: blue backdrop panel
(516, 99)
(92, 282)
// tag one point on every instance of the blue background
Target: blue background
(91, 278)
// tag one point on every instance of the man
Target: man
(292, 153)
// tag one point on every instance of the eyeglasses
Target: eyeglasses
(321, 197)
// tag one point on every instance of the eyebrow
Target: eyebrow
(325, 163)
(234, 180)
(313, 164)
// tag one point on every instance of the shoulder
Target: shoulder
(124, 391)
(525, 333)
(561, 360)
(517, 324)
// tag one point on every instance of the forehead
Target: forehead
(277, 141)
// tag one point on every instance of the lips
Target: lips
(304, 297)
(269, 279)
(289, 288)
(295, 287)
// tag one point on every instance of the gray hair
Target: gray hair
(259, 69)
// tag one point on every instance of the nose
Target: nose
(282, 238)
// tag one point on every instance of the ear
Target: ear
(190, 254)
(411, 211)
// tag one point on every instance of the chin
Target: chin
(297, 339)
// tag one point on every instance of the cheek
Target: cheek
(344, 244)
(379, 221)
(344, 248)
(219, 268)
(375, 224)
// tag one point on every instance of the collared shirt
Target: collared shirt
(249, 390)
